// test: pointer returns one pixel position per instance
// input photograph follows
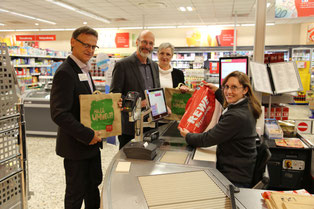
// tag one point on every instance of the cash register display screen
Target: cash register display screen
(157, 102)
(230, 64)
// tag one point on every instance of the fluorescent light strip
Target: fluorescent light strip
(27, 16)
(62, 5)
(92, 16)
(27, 30)
(247, 24)
(182, 9)
(3, 10)
(228, 25)
(136, 28)
(192, 26)
(190, 9)
(106, 28)
(57, 29)
(131, 28)
(157, 27)
(69, 7)
(1, 24)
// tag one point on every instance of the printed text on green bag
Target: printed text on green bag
(102, 114)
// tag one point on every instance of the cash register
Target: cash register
(157, 108)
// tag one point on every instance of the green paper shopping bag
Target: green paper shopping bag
(176, 101)
(100, 112)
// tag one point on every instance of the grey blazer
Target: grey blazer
(126, 76)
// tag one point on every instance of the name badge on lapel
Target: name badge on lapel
(83, 77)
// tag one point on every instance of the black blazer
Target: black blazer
(126, 76)
(73, 137)
(235, 134)
(177, 77)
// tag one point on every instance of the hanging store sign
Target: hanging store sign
(25, 38)
(35, 37)
(122, 40)
(210, 37)
(111, 39)
(45, 37)
(294, 8)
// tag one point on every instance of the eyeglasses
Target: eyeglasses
(233, 88)
(87, 46)
(147, 43)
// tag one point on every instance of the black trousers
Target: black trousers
(82, 180)
(124, 139)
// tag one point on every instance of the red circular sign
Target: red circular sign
(302, 126)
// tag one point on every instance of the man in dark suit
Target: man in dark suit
(135, 73)
(77, 144)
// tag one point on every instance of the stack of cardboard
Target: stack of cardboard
(280, 200)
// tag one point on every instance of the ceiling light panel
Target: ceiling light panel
(78, 10)
(209, 12)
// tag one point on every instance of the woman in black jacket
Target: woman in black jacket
(235, 133)
(169, 77)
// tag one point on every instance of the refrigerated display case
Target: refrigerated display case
(37, 113)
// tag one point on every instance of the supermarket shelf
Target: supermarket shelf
(23, 76)
(31, 84)
(99, 78)
(32, 65)
(36, 56)
(46, 77)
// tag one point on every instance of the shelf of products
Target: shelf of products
(31, 64)
(303, 59)
(301, 54)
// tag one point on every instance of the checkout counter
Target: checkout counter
(124, 190)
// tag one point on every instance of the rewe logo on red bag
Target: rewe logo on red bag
(199, 112)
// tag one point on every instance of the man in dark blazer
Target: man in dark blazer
(135, 73)
(77, 144)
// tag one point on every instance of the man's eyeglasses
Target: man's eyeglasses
(233, 88)
(147, 43)
(87, 46)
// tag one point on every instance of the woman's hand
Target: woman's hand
(184, 88)
(213, 87)
(183, 132)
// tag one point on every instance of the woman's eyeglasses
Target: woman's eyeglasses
(233, 88)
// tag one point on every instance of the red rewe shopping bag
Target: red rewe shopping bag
(199, 110)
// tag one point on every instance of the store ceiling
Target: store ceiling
(134, 13)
